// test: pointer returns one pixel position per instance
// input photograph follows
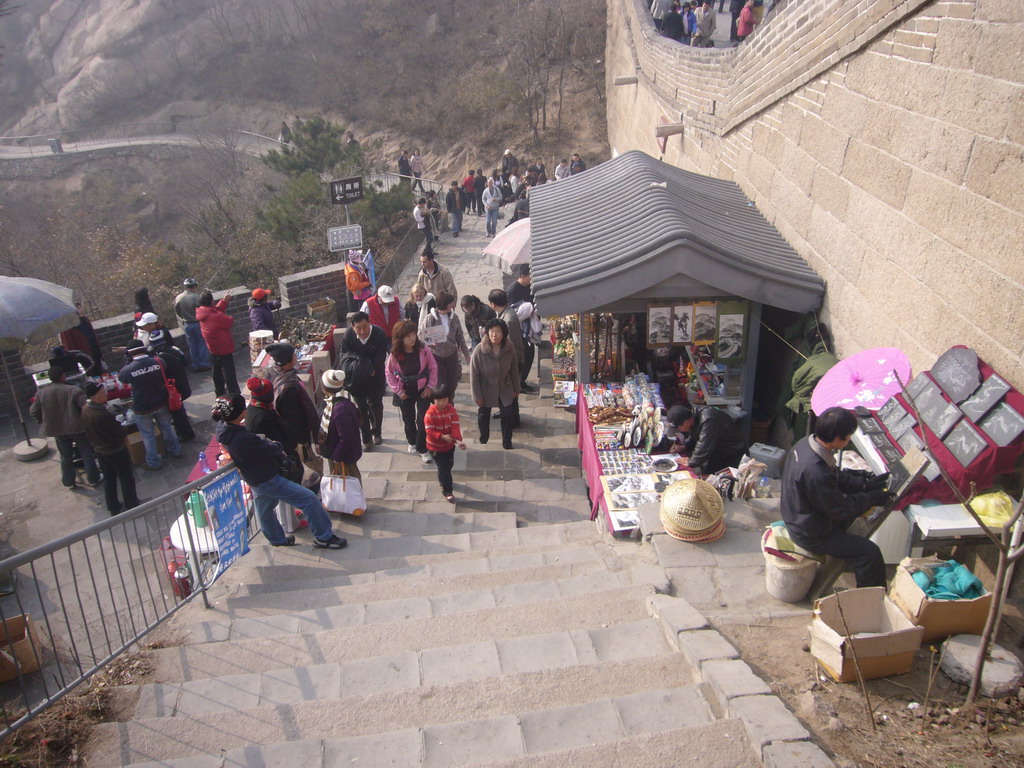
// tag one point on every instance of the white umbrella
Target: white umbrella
(32, 310)
(510, 247)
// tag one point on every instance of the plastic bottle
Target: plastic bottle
(203, 464)
(197, 507)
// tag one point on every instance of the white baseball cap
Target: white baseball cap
(386, 294)
(146, 319)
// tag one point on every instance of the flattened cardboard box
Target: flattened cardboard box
(884, 638)
(940, 618)
(17, 635)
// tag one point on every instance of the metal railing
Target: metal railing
(91, 595)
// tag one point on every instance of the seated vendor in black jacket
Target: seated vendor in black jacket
(819, 501)
(713, 441)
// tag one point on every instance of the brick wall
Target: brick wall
(885, 141)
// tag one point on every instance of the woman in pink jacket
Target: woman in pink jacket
(746, 22)
(411, 372)
(215, 324)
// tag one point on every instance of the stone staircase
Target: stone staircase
(448, 639)
(506, 630)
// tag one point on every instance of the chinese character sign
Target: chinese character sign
(226, 508)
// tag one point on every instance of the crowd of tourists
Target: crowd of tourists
(418, 351)
(694, 23)
(479, 193)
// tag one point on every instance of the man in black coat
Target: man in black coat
(368, 384)
(713, 440)
(819, 502)
(176, 368)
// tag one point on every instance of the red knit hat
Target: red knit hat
(261, 389)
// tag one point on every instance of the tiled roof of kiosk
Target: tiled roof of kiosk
(626, 225)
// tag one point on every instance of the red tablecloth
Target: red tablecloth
(212, 450)
(589, 461)
(992, 461)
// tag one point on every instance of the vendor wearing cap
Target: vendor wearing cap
(383, 311)
(819, 502)
(713, 442)
(185, 304)
(291, 401)
(261, 311)
(149, 331)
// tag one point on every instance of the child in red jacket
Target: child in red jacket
(443, 434)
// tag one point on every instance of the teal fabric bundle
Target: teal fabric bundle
(949, 581)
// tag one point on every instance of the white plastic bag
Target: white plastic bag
(342, 494)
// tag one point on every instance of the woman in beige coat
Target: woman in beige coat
(494, 379)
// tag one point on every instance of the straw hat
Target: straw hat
(691, 510)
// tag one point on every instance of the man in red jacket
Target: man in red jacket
(216, 323)
(383, 311)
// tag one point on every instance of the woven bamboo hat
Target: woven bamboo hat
(691, 510)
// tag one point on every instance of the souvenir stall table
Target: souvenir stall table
(972, 425)
(618, 426)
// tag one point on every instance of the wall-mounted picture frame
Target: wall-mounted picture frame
(682, 323)
(732, 330)
(659, 325)
(705, 322)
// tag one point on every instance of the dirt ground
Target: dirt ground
(905, 736)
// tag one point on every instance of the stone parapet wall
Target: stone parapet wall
(885, 141)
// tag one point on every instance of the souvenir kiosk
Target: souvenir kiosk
(689, 254)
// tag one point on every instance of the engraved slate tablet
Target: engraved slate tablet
(981, 402)
(949, 416)
(917, 385)
(956, 371)
(931, 404)
(891, 413)
(1003, 424)
(965, 442)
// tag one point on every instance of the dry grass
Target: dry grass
(53, 738)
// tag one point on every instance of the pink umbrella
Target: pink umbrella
(510, 247)
(867, 379)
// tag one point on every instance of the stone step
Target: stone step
(415, 580)
(718, 744)
(459, 724)
(363, 555)
(444, 666)
(403, 632)
(274, 621)
(424, 521)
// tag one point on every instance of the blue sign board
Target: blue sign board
(225, 505)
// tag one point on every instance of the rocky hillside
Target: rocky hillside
(446, 74)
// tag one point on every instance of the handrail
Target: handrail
(86, 597)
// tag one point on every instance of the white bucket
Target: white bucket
(787, 580)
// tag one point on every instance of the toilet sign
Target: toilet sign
(345, 191)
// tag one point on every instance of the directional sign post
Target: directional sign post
(344, 238)
(345, 191)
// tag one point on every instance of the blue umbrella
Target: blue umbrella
(32, 310)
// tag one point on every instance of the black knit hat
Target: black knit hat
(281, 352)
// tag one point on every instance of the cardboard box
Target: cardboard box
(17, 636)
(137, 450)
(940, 618)
(884, 638)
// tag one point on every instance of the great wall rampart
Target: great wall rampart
(883, 138)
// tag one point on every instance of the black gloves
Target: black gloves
(880, 498)
(861, 481)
